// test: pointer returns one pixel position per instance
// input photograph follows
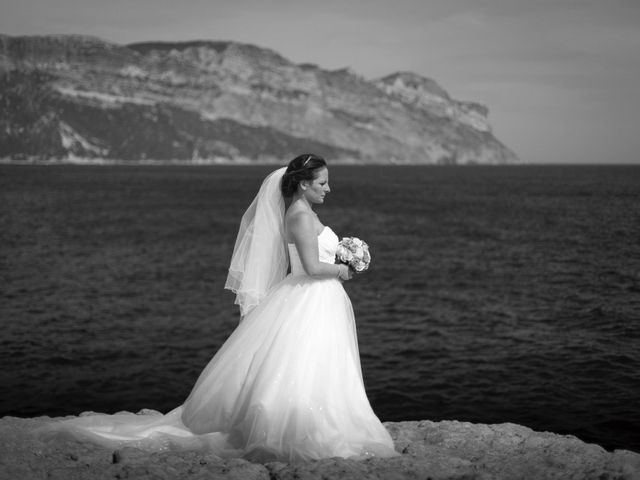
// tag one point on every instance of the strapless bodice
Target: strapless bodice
(327, 246)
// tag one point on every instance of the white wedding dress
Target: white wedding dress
(286, 385)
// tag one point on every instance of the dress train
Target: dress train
(286, 385)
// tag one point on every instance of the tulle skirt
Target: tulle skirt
(286, 385)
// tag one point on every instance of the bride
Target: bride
(287, 383)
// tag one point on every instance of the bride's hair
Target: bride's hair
(301, 168)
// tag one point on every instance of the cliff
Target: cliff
(77, 97)
(430, 450)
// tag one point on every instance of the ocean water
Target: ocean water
(496, 294)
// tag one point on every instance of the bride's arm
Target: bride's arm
(306, 240)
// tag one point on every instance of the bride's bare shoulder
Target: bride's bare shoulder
(297, 222)
(299, 218)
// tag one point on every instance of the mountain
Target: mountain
(75, 97)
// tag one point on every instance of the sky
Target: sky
(561, 78)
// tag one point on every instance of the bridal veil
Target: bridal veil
(259, 259)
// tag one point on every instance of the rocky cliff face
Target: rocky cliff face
(72, 97)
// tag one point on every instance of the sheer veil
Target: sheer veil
(260, 258)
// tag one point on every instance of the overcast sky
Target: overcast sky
(561, 77)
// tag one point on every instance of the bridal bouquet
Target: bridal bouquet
(354, 252)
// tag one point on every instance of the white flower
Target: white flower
(354, 252)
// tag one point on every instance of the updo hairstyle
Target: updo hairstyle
(301, 168)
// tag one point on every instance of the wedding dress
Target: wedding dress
(286, 385)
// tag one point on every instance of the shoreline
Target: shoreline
(275, 162)
(438, 450)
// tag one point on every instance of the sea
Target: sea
(495, 293)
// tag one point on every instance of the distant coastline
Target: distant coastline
(250, 163)
(220, 162)
(78, 97)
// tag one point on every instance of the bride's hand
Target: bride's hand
(350, 272)
(344, 272)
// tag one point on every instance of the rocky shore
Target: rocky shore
(430, 450)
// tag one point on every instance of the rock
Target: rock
(430, 450)
(76, 97)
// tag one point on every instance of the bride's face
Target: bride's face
(316, 190)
